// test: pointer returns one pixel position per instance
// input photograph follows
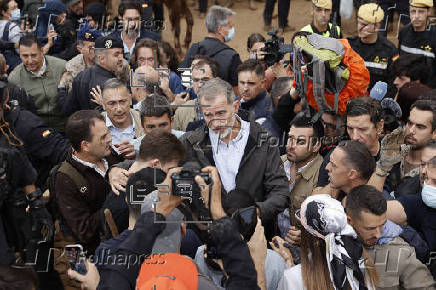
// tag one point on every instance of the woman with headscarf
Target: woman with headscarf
(332, 256)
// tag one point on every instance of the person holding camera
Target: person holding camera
(143, 240)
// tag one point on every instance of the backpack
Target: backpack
(11, 56)
(78, 179)
(335, 72)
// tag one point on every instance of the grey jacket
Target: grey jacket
(260, 172)
(398, 267)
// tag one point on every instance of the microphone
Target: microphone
(379, 90)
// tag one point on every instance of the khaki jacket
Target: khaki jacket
(305, 182)
(184, 115)
(398, 267)
(73, 67)
(43, 89)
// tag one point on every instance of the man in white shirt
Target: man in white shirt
(124, 123)
(240, 151)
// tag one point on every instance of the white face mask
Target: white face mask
(15, 15)
(428, 195)
(253, 55)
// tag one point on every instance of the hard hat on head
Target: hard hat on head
(421, 3)
(326, 4)
(371, 13)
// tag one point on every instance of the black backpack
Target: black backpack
(11, 56)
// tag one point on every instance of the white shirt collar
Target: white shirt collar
(125, 48)
(109, 123)
(245, 129)
(93, 166)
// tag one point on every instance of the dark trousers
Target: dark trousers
(202, 5)
(283, 8)
(158, 11)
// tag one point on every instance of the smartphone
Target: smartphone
(76, 258)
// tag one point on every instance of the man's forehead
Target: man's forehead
(161, 119)
(205, 69)
(145, 50)
(116, 94)
(424, 117)
(372, 220)
(428, 154)
(33, 48)
(362, 120)
(301, 132)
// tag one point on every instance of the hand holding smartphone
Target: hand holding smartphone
(76, 258)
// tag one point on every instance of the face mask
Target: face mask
(15, 14)
(230, 35)
(253, 55)
(428, 195)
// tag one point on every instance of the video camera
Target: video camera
(275, 48)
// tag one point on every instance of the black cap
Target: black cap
(108, 42)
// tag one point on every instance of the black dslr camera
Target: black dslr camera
(183, 183)
(275, 48)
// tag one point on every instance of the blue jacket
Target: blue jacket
(260, 110)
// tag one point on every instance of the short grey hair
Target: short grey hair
(97, 53)
(112, 83)
(216, 87)
(217, 16)
(280, 86)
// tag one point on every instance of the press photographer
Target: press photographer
(147, 232)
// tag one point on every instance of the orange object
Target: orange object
(357, 83)
(168, 271)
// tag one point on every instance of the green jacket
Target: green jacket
(43, 90)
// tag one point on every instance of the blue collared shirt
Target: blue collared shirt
(228, 157)
(118, 135)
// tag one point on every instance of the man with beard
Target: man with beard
(108, 64)
(364, 123)
(301, 163)
(130, 13)
(395, 260)
(420, 129)
(240, 151)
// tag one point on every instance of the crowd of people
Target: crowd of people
(311, 166)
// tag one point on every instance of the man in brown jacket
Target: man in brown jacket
(301, 163)
(394, 259)
(79, 207)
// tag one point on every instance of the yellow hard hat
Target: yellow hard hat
(371, 13)
(421, 3)
(326, 4)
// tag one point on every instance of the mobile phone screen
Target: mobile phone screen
(76, 258)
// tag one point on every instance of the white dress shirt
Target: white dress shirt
(228, 157)
(93, 166)
(118, 135)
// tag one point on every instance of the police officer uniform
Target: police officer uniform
(79, 96)
(378, 55)
(332, 30)
(419, 42)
